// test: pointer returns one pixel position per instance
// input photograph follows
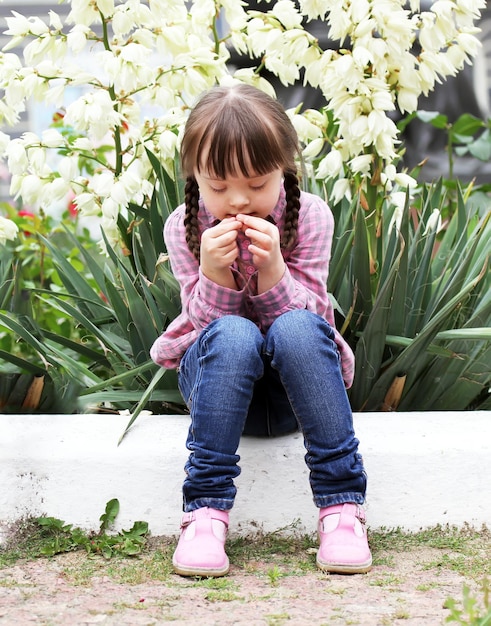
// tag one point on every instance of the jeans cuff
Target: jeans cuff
(221, 504)
(321, 502)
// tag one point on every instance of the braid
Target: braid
(191, 197)
(292, 209)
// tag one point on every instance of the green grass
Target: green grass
(270, 555)
(273, 557)
(465, 550)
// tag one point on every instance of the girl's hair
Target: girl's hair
(239, 127)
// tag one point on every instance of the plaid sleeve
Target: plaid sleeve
(202, 300)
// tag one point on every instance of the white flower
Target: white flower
(287, 14)
(4, 142)
(434, 222)
(21, 26)
(8, 230)
(407, 100)
(87, 204)
(159, 56)
(37, 159)
(31, 189)
(340, 190)
(404, 180)
(17, 157)
(331, 165)
(55, 21)
(68, 167)
(106, 7)
(83, 12)
(248, 76)
(102, 183)
(53, 192)
(306, 130)
(110, 210)
(314, 65)
(361, 164)
(203, 11)
(313, 8)
(168, 144)
(109, 226)
(93, 113)
(125, 18)
(77, 38)
(51, 138)
(398, 200)
(235, 14)
(313, 149)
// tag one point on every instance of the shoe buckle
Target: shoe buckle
(187, 518)
(360, 515)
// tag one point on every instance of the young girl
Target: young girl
(255, 344)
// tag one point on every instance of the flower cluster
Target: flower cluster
(149, 62)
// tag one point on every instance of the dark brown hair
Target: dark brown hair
(245, 127)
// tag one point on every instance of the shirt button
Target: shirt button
(250, 269)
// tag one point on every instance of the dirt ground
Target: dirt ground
(273, 586)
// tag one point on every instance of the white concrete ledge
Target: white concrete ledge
(423, 468)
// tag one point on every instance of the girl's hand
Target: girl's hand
(265, 250)
(219, 250)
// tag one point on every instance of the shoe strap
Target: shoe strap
(358, 512)
(204, 513)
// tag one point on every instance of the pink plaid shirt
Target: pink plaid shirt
(303, 285)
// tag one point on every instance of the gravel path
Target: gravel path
(408, 585)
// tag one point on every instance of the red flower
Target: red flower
(72, 209)
(28, 214)
(58, 116)
(25, 213)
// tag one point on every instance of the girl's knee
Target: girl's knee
(300, 323)
(235, 333)
(300, 330)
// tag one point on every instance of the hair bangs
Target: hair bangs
(238, 142)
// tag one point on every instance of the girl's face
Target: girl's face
(255, 195)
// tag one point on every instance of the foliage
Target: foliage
(467, 135)
(420, 318)
(470, 613)
(412, 297)
(27, 266)
(27, 382)
(120, 304)
(62, 537)
(28, 393)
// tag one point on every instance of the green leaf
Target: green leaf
(371, 344)
(466, 124)
(361, 268)
(481, 148)
(119, 396)
(406, 362)
(158, 375)
(23, 364)
(110, 514)
(438, 120)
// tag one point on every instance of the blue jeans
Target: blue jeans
(224, 378)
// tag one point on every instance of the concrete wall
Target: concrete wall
(424, 469)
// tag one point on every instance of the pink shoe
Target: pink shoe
(343, 540)
(200, 551)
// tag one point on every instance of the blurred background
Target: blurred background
(468, 92)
